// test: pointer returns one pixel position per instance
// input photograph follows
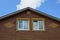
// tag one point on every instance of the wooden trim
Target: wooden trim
(16, 24)
(22, 19)
(38, 19)
(44, 25)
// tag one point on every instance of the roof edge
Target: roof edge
(45, 14)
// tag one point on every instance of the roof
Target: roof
(39, 12)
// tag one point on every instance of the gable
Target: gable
(9, 26)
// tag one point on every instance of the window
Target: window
(23, 24)
(38, 24)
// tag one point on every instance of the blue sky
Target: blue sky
(51, 7)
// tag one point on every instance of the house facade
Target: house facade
(29, 24)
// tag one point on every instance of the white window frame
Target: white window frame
(18, 29)
(38, 20)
